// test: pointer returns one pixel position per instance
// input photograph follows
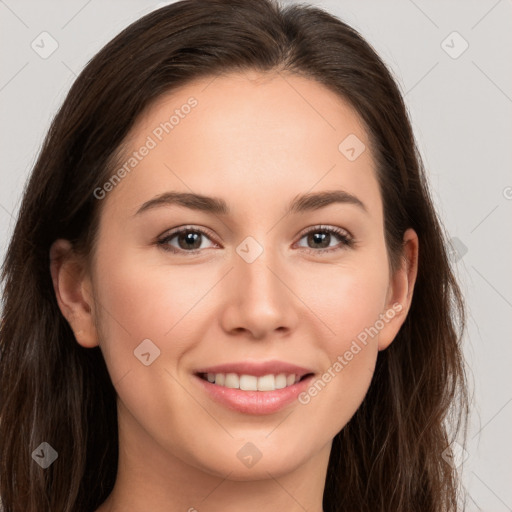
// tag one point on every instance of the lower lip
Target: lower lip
(254, 402)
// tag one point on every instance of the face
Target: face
(250, 271)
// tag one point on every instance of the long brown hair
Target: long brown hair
(389, 457)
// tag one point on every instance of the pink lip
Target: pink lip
(257, 369)
(254, 402)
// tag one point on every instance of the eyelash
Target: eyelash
(346, 239)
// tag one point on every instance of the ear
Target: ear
(400, 290)
(73, 291)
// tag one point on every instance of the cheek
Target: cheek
(349, 300)
(346, 298)
(138, 301)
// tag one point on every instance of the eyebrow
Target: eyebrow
(215, 205)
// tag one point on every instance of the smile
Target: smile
(253, 401)
(245, 382)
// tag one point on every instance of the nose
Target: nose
(259, 299)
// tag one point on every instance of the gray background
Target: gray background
(461, 108)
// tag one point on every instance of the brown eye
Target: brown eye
(320, 239)
(184, 240)
(189, 240)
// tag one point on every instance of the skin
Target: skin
(257, 141)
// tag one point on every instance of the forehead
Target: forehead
(249, 131)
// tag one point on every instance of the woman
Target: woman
(227, 286)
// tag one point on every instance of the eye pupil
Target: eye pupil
(189, 240)
(320, 238)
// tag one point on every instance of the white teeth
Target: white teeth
(245, 382)
(280, 381)
(248, 382)
(265, 383)
(232, 381)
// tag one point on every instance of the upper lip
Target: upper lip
(256, 368)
